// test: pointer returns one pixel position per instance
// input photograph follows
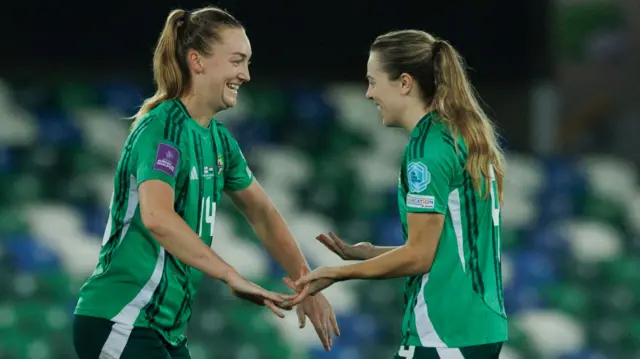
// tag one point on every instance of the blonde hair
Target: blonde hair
(182, 31)
(440, 72)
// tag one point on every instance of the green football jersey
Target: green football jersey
(460, 301)
(136, 282)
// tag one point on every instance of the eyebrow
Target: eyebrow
(241, 54)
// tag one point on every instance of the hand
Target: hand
(320, 313)
(244, 289)
(316, 281)
(359, 251)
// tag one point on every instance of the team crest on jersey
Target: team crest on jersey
(418, 176)
(220, 164)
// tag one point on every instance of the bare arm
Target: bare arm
(173, 233)
(413, 258)
(358, 251)
(271, 228)
(375, 251)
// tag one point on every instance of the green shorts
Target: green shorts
(99, 338)
(485, 351)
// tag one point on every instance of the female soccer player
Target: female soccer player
(175, 166)
(449, 194)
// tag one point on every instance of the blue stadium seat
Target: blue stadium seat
(534, 268)
(563, 175)
(337, 352)
(95, 219)
(555, 205)
(28, 255)
(358, 328)
(585, 354)
(57, 128)
(389, 232)
(311, 108)
(252, 133)
(547, 239)
(121, 96)
(519, 297)
(7, 160)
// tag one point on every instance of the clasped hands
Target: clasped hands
(308, 300)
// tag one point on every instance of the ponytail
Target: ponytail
(168, 74)
(456, 103)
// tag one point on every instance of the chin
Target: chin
(388, 123)
(228, 102)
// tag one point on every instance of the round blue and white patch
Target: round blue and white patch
(418, 176)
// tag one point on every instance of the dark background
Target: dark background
(504, 42)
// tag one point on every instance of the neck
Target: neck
(413, 115)
(198, 109)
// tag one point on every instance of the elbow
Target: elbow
(155, 221)
(420, 262)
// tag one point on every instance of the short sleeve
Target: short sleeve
(238, 175)
(156, 157)
(429, 179)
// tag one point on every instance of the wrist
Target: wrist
(229, 275)
(338, 273)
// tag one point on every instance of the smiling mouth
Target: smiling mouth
(233, 87)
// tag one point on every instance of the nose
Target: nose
(244, 75)
(368, 94)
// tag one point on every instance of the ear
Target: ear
(193, 59)
(406, 83)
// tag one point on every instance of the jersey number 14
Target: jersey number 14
(208, 211)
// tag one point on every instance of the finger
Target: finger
(321, 332)
(330, 244)
(290, 284)
(335, 239)
(277, 297)
(327, 331)
(301, 296)
(269, 304)
(302, 317)
(302, 281)
(334, 324)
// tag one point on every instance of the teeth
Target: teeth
(233, 86)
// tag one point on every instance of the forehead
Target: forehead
(373, 64)
(233, 40)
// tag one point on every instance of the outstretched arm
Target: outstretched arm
(413, 258)
(270, 227)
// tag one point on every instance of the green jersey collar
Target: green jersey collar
(417, 131)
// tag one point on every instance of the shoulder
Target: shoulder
(225, 135)
(222, 129)
(435, 141)
(163, 122)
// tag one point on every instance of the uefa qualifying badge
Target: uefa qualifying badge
(418, 176)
